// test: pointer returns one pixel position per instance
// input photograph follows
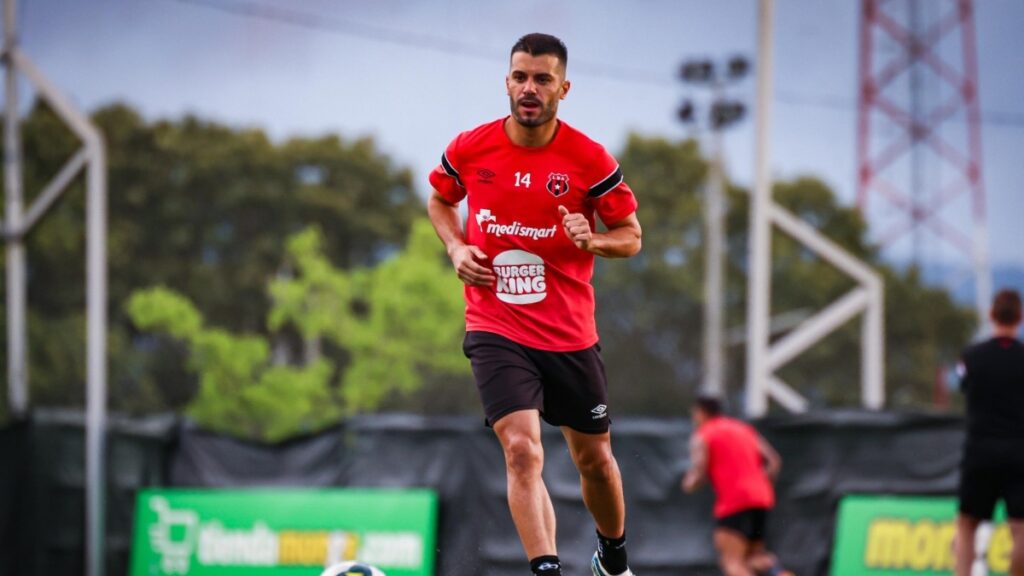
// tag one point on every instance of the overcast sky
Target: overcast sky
(413, 73)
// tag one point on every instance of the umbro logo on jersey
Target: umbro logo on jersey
(484, 176)
(599, 411)
(558, 184)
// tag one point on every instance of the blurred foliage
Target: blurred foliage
(648, 307)
(398, 321)
(203, 209)
(240, 391)
(298, 245)
(410, 339)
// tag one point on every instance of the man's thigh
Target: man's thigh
(575, 389)
(982, 483)
(749, 524)
(507, 379)
(732, 549)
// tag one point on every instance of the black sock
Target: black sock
(612, 552)
(546, 566)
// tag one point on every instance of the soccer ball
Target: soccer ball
(351, 569)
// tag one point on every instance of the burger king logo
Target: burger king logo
(521, 277)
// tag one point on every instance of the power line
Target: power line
(341, 26)
(834, 102)
(408, 39)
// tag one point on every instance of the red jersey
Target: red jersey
(542, 297)
(735, 467)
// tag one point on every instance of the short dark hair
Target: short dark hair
(1006, 308)
(709, 404)
(537, 44)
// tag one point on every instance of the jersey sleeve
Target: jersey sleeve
(609, 194)
(445, 177)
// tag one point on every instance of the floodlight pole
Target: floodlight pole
(714, 285)
(17, 224)
(759, 271)
(722, 113)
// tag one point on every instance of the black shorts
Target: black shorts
(568, 388)
(750, 523)
(992, 470)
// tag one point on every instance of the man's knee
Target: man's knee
(966, 529)
(762, 561)
(524, 456)
(597, 463)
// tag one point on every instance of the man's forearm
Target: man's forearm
(619, 243)
(446, 221)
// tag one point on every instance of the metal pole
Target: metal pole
(96, 273)
(873, 349)
(17, 357)
(714, 242)
(759, 284)
(982, 265)
(982, 274)
(865, 99)
(96, 361)
(917, 193)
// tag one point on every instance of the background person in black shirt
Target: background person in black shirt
(992, 378)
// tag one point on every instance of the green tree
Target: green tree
(201, 208)
(649, 306)
(399, 323)
(240, 391)
(411, 336)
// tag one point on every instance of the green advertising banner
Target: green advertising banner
(282, 532)
(907, 536)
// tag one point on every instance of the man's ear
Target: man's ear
(565, 89)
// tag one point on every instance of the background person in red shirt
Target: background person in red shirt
(741, 466)
(534, 186)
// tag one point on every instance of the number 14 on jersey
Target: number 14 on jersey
(522, 180)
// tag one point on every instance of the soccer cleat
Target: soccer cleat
(598, 569)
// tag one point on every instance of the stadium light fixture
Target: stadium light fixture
(722, 113)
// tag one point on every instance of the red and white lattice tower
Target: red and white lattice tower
(919, 162)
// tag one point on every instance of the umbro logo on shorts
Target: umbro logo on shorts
(599, 411)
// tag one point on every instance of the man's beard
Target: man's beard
(545, 114)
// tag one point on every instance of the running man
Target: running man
(992, 378)
(741, 466)
(534, 185)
